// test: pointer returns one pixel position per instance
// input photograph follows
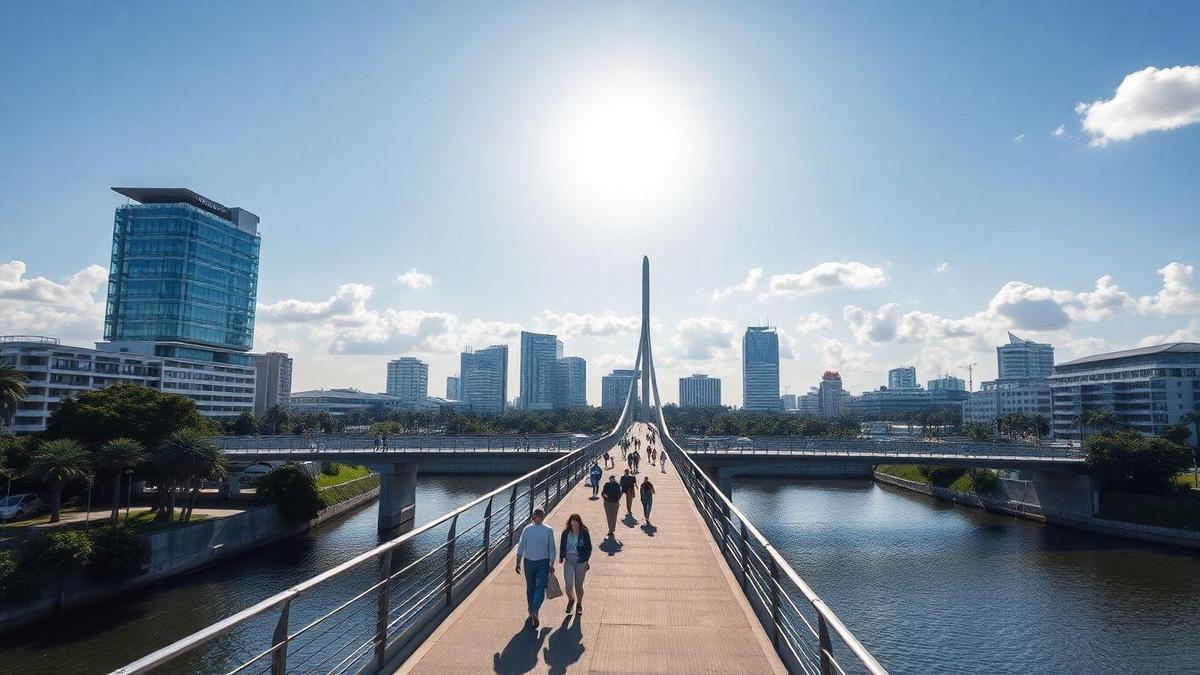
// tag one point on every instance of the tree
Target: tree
(66, 551)
(245, 424)
(115, 458)
(1104, 420)
(1178, 433)
(1040, 426)
(1130, 461)
(118, 553)
(183, 461)
(293, 490)
(57, 463)
(124, 411)
(12, 390)
(979, 432)
(275, 419)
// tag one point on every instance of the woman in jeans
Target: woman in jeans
(647, 497)
(574, 549)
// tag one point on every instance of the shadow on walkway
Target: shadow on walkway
(629, 521)
(565, 646)
(520, 655)
(611, 546)
(649, 529)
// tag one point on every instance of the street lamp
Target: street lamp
(87, 516)
(129, 498)
(8, 493)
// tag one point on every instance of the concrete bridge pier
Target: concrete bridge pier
(397, 497)
(1071, 495)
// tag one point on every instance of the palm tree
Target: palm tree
(57, 463)
(184, 460)
(12, 390)
(1105, 420)
(115, 458)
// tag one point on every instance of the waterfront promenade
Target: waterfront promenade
(658, 599)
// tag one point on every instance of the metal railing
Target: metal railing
(786, 445)
(367, 444)
(386, 600)
(806, 634)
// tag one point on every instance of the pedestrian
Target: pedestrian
(628, 488)
(385, 440)
(647, 497)
(574, 549)
(536, 548)
(662, 461)
(594, 475)
(611, 494)
(377, 442)
(607, 459)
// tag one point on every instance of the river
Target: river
(929, 587)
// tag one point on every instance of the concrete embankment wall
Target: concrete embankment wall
(1031, 508)
(180, 550)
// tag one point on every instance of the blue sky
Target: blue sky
(846, 150)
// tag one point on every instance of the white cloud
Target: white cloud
(347, 306)
(813, 323)
(415, 280)
(787, 344)
(1189, 333)
(571, 324)
(1150, 99)
(1075, 348)
(827, 275)
(839, 356)
(941, 268)
(1040, 308)
(703, 338)
(72, 309)
(749, 285)
(888, 324)
(1018, 138)
(1058, 131)
(1179, 293)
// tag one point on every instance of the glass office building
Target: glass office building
(184, 272)
(760, 369)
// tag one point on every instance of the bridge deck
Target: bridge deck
(659, 600)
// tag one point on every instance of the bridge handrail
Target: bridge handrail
(713, 504)
(557, 476)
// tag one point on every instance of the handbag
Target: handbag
(553, 588)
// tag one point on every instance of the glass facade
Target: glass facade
(179, 273)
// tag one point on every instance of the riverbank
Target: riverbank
(1019, 498)
(186, 549)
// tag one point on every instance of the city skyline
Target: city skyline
(1027, 215)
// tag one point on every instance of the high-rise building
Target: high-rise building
(699, 390)
(614, 389)
(902, 378)
(408, 379)
(453, 388)
(182, 285)
(946, 383)
(483, 375)
(830, 395)
(810, 403)
(1024, 358)
(760, 369)
(539, 352)
(272, 380)
(1147, 389)
(788, 401)
(570, 382)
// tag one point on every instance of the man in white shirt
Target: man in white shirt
(536, 546)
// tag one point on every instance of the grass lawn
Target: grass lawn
(141, 520)
(1188, 479)
(905, 471)
(345, 474)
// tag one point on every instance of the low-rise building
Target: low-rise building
(997, 398)
(272, 380)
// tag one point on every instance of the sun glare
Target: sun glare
(625, 144)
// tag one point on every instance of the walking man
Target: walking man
(594, 474)
(612, 502)
(536, 548)
(628, 488)
(647, 497)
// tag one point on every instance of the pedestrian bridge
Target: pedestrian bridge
(699, 589)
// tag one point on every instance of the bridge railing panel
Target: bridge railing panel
(806, 634)
(372, 611)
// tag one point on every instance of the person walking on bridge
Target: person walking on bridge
(536, 548)
(662, 460)
(628, 488)
(647, 497)
(574, 549)
(612, 502)
(594, 475)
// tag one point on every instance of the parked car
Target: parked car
(254, 473)
(16, 507)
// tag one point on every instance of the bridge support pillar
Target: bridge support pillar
(1073, 495)
(723, 478)
(397, 497)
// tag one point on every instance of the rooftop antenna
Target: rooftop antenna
(970, 375)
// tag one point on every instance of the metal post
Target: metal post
(745, 557)
(512, 513)
(129, 499)
(826, 646)
(774, 603)
(450, 560)
(381, 618)
(532, 490)
(279, 642)
(487, 535)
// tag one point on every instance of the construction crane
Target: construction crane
(970, 375)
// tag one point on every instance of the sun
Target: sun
(625, 143)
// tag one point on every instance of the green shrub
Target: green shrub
(118, 553)
(8, 569)
(941, 475)
(66, 551)
(984, 482)
(330, 468)
(20, 581)
(293, 491)
(1129, 461)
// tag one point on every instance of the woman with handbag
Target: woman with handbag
(574, 549)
